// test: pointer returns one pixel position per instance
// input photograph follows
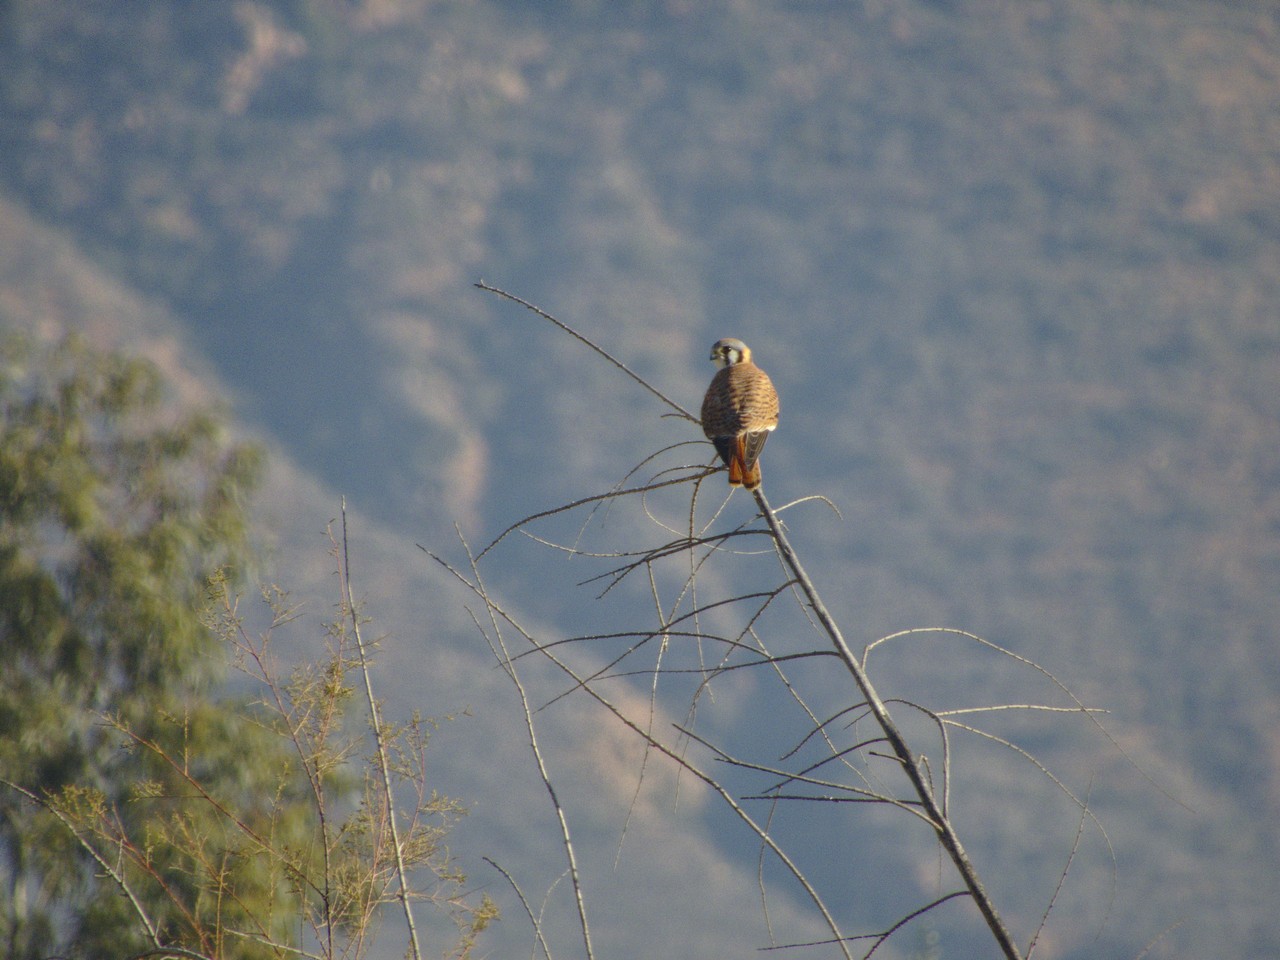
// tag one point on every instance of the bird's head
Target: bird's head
(729, 351)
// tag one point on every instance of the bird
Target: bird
(739, 411)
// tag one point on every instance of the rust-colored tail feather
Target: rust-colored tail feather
(740, 454)
(735, 471)
(744, 471)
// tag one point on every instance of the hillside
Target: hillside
(1012, 266)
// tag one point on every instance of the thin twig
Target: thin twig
(504, 659)
(604, 353)
(861, 795)
(533, 921)
(1079, 706)
(880, 938)
(1062, 878)
(815, 898)
(946, 832)
(384, 766)
(1158, 937)
(116, 875)
(932, 805)
(565, 508)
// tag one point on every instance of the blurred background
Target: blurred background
(1013, 267)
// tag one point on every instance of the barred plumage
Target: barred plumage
(739, 410)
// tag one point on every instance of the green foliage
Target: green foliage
(354, 863)
(141, 808)
(115, 510)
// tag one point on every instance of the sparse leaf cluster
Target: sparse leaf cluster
(142, 809)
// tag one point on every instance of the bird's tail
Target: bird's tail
(735, 471)
(744, 468)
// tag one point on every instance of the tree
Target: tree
(115, 512)
(721, 599)
(142, 809)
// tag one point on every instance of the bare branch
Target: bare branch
(498, 613)
(117, 876)
(880, 938)
(589, 343)
(565, 508)
(380, 743)
(946, 832)
(533, 921)
(860, 795)
(499, 647)
(1062, 879)
(836, 766)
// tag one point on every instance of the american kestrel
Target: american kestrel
(739, 410)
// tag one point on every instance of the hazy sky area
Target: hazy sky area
(1014, 268)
